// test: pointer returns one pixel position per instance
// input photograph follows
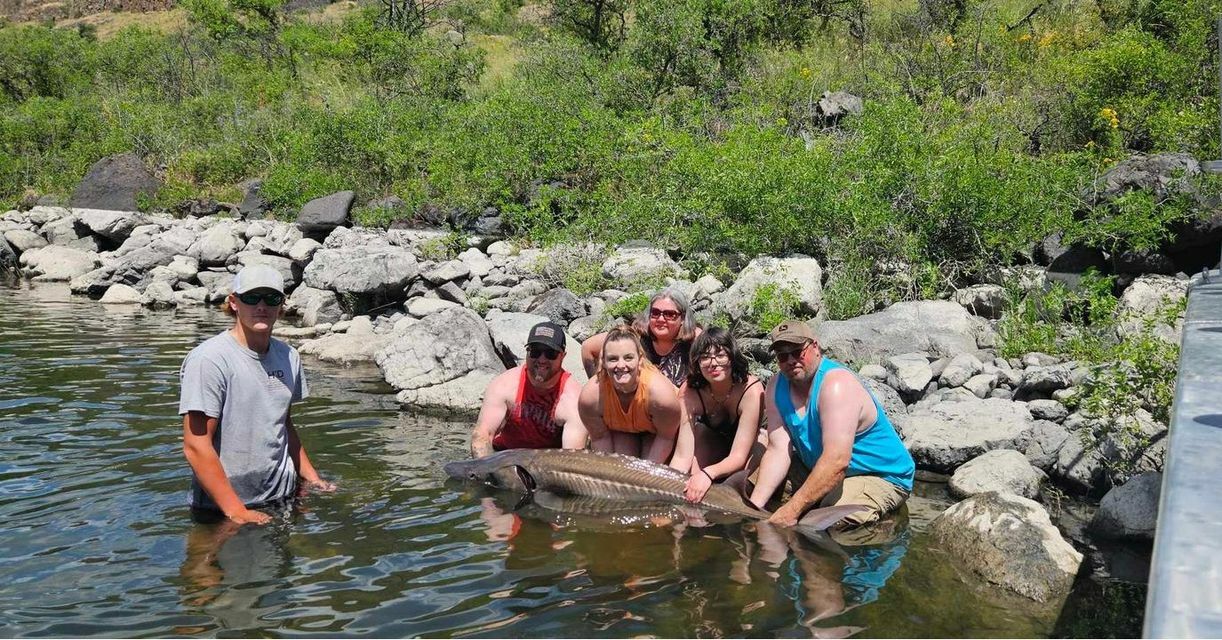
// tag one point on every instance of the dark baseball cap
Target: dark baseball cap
(791, 332)
(548, 334)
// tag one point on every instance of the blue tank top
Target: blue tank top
(877, 451)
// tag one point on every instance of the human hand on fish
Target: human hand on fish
(697, 486)
(786, 515)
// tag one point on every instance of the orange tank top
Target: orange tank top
(636, 419)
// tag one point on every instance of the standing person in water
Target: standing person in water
(628, 406)
(667, 329)
(237, 388)
(533, 405)
(724, 404)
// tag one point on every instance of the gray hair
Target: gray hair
(687, 330)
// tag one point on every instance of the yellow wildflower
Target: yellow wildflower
(1110, 115)
(1026, 37)
(806, 73)
(949, 40)
(1047, 38)
(782, 122)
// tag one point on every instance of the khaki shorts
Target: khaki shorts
(878, 497)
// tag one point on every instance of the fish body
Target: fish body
(613, 476)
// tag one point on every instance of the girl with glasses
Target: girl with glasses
(628, 406)
(667, 328)
(725, 406)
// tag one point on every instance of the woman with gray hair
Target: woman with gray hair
(667, 327)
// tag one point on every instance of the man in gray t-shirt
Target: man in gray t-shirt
(237, 389)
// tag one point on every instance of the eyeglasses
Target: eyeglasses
(271, 298)
(720, 357)
(535, 352)
(784, 356)
(669, 315)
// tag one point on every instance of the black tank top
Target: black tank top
(674, 364)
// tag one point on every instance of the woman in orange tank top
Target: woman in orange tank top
(628, 406)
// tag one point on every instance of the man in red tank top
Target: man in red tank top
(533, 405)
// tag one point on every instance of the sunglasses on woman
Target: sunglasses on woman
(670, 315)
(536, 352)
(252, 298)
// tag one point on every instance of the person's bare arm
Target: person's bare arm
(744, 436)
(197, 432)
(305, 469)
(775, 463)
(492, 414)
(839, 413)
(591, 349)
(589, 408)
(574, 435)
(667, 413)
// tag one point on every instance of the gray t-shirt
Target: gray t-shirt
(250, 395)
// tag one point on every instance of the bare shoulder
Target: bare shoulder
(504, 384)
(662, 392)
(842, 385)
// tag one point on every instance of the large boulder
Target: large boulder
(1001, 470)
(372, 272)
(1009, 541)
(348, 349)
(314, 306)
(944, 435)
(115, 183)
(216, 245)
(1163, 174)
(320, 215)
(442, 362)
(1146, 300)
(1130, 510)
(959, 370)
(908, 373)
(509, 331)
(559, 305)
(636, 263)
(271, 236)
(801, 277)
(57, 263)
(938, 327)
(23, 240)
(8, 256)
(115, 226)
(1044, 448)
(253, 205)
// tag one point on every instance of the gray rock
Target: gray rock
(193, 295)
(315, 306)
(1081, 467)
(253, 205)
(834, 105)
(443, 361)
(1047, 438)
(57, 263)
(373, 270)
(1163, 174)
(115, 226)
(1001, 470)
(347, 349)
(478, 264)
(960, 369)
(115, 183)
(185, 267)
(448, 271)
(453, 293)
(874, 372)
(583, 328)
(632, 264)
(1046, 379)
(421, 307)
(1144, 300)
(1048, 410)
(985, 300)
(1037, 359)
(981, 385)
(159, 294)
(319, 216)
(1009, 541)
(216, 245)
(801, 277)
(303, 250)
(69, 232)
(1004, 394)
(889, 398)
(1130, 510)
(559, 305)
(908, 373)
(8, 256)
(121, 294)
(945, 435)
(502, 248)
(23, 240)
(938, 327)
(279, 238)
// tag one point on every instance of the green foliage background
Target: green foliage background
(693, 124)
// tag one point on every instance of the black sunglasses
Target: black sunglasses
(535, 351)
(271, 299)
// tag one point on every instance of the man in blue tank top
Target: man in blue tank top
(837, 430)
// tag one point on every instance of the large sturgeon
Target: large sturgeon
(617, 477)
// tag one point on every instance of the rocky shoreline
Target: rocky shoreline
(439, 327)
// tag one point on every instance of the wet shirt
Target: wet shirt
(531, 422)
(249, 393)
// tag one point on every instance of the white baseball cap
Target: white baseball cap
(258, 276)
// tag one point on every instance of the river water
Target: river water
(96, 538)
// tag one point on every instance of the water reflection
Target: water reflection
(229, 570)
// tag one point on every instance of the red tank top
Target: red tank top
(531, 422)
